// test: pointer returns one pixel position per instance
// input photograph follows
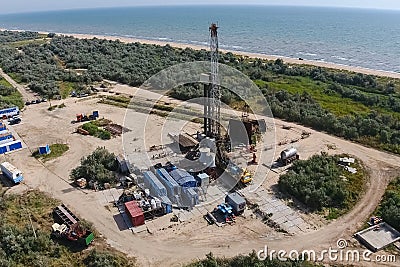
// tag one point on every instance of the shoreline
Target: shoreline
(288, 60)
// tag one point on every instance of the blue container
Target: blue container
(173, 188)
(151, 182)
(2, 126)
(44, 150)
(6, 136)
(3, 148)
(95, 114)
(14, 145)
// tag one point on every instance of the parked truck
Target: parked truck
(11, 172)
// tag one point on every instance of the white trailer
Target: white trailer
(11, 172)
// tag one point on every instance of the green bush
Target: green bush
(96, 131)
(100, 166)
(319, 183)
(389, 209)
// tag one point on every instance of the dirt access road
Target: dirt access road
(25, 94)
(192, 239)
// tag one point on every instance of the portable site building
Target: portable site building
(166, 202)
(173, 188)
(190, 197)
(9, 112)
(237, 202)
(10, 146)
(157, 189)
(203, 179)
(134, 212)
(123, 164)
(3, 126)
(43, 150)
(183, 178)
(5, 135)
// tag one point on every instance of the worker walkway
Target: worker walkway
(286, 217)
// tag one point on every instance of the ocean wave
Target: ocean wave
(307, 54)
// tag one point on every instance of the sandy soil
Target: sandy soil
(193, 238)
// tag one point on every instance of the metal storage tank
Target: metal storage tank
(183, 178)
(288, 153)
(134, 212)
(173, 188)
(237, 202)
(157, 189)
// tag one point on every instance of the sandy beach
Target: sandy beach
(248, 54)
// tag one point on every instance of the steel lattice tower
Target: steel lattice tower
(215, 105)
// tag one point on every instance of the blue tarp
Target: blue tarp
(183, 178)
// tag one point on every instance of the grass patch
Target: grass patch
(96, 131)
(21, 43)
(101, 122)
(57, 150)
(17, 77)
(5, 83)
(332, 102)
(53, 107)
(15, 99)
(66, 88)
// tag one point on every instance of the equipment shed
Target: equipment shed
(237, 202)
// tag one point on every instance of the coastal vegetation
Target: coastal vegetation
(322, 185)
(25, 240)
(9, 96)
(248, 260)
(355, 106)
(389, 208)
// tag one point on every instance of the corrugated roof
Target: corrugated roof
(167, 177)
(183, 177)
(133, 208)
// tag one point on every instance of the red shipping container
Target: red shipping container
(134, 212)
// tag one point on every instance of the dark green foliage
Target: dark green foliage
(96, 131)
(9, 96)
(102, 258)
(98, 166)
(389, 209)
(11, 36)
(355, 106)
(318, 183)
(250, 260)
